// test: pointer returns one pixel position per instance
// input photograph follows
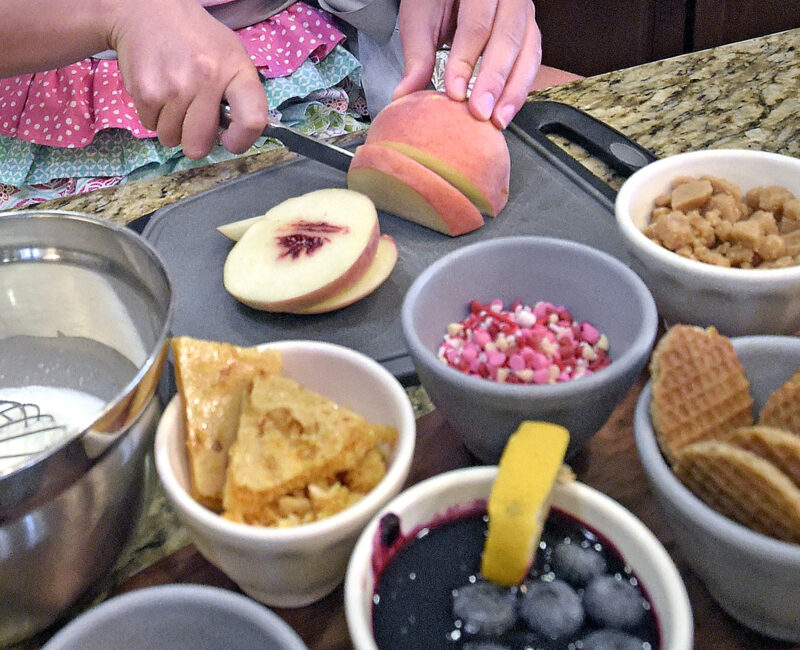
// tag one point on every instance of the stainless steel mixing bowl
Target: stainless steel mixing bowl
(85, 306)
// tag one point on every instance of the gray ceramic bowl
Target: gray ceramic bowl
(753, 577)
(592, 285)
(736, 301)
(178, 617)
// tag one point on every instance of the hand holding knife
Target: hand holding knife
(299, 142)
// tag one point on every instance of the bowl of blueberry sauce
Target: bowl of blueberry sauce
(600, 579)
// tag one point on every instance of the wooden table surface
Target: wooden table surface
(608, 462)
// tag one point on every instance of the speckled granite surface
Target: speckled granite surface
(744, 95)
(741, 95)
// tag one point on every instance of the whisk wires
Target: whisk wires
(20, 422)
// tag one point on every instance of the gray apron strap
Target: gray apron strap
(244, 13)
(376, 18)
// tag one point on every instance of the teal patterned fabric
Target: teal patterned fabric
(117, 153)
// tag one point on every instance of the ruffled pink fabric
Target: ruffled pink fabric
(69, 106)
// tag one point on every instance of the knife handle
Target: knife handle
(298, 142)
(272, 129)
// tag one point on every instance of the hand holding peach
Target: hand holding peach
(429, 160)
(503, 32)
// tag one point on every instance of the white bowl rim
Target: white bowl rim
(333, 526)
(684, 500)
(572, 388)
(223, 599)
(789, 275)
(360, 559)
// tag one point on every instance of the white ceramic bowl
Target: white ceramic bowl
(755, 578)
(735, 301)
(293, 567)
(178, 617)
(433, 497)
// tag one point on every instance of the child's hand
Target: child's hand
(178, 63)
(504, 32)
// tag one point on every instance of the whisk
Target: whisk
(24, 430)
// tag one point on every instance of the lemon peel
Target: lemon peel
(518, 502)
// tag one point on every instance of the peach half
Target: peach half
(442, 135)
(399, 185)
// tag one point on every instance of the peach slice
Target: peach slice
(444, 136)
(310, 248)
(401, 186)
(235, 229)
(375, 275)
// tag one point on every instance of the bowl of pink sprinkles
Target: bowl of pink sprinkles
(527, 328)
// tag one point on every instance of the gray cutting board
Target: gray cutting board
(543, 201)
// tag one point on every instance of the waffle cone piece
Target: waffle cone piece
(782, 409)
(742, 486)
(699, 388)
(779, 447)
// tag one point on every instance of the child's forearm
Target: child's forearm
(45, 34)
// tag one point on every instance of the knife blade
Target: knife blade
(298, 142)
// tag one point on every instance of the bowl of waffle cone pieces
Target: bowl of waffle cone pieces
(717, 429)
(518, 554)
(275, 457)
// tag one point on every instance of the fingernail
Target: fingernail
(484, 105)
(505, 114)
(458, 88)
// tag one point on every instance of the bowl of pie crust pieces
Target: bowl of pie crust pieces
(275, 457)
(717, 429)
(715, 235)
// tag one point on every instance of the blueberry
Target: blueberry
(611, 640)
(552, 608)
(576, 564)
(485, 608)
(614, 602)
(389, 529)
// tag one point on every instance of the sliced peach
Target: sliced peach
(236, 229)
(401, 186)
(375, 275)
(444, 136)
(315, 246)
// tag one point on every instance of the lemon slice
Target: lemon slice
(518, 502)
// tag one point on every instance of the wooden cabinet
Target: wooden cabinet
(594, 36)
(724, 21)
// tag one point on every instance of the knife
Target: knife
(298, 142)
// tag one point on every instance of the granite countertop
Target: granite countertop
(744, 95)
